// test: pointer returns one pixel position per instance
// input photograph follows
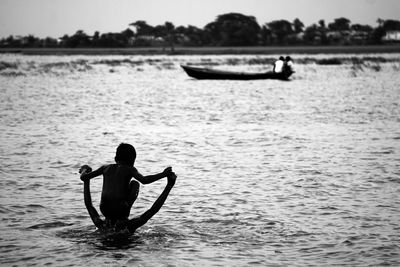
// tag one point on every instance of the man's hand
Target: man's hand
(171, 178)
(85, 169)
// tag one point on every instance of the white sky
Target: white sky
(55, 18)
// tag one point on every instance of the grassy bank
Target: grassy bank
(269, 50)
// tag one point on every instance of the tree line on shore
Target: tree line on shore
(231, 29)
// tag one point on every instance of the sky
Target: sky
(54, 18)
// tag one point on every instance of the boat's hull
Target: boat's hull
(212, 74)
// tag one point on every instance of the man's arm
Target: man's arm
(94, 215)
(148, 179)
(137, 222)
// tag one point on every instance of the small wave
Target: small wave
(105, 241)
(384, 152)
(394, 179)
(32, 207)
(116, 240)
(4, 210)
(299, 233)
(49, 225)
(328, 208)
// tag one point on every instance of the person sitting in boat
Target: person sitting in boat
(278, 65)
(289, 66)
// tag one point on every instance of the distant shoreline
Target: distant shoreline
(265, 50)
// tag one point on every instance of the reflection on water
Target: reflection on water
(302, 173)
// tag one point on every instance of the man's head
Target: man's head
(125, 153)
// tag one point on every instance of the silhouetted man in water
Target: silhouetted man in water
(120, 192)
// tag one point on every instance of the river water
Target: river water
(270, 173)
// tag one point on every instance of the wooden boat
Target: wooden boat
(213, 74)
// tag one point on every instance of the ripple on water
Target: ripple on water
(270, 173)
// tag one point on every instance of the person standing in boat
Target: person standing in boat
(278, 65)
